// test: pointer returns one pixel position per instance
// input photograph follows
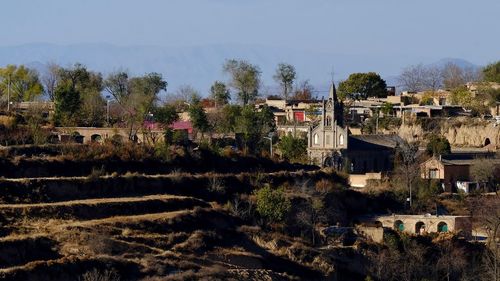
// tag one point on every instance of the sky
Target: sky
(425, 28)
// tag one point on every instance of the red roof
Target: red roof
(182, 125)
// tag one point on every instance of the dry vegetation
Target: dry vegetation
(101, 223)
(111, 221)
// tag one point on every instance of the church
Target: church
(331, 145)
(329, 137)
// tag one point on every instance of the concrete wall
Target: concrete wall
(105, 133)
(454, 223)
(361, 180)
(371, 232)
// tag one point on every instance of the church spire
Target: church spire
(333, 92)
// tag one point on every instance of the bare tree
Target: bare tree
(486, 172)
(285, 75)
(453, 76)
(412, 77)
(408, 166)
(432, 78)
(50, 79)
(418, 78)
(489, 217)
(452, 261)
(303, 91)
(311, 214)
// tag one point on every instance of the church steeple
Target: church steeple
(333, 93)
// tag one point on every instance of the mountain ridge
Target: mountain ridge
(200, 65)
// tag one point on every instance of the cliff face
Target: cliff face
(478, 134)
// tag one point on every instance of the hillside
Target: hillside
(100, 212)
(168, 226)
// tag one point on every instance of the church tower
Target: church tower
(329, 138)
(333, 110)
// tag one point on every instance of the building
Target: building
(422, 224)
(330, 144)
(329, 137)
(293, 112)
(453, 170)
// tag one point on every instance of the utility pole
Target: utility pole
(270, 138)
(8, 94)
(107, 110)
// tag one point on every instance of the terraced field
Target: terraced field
(140, 227)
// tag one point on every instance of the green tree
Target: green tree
(198, 117)
(292, 148)
(438, 145)
(78, 99)
(228, 121)
(491, 72)
(462, 96)
(165, 115)
(136, 96)
(245, 79)
(67, 105)
(285, 76)
(24, 83)
(253, 125)
(387, 109)
(272, 204)
(220, 93)
(362, 86)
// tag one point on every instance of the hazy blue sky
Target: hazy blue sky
(468, 29)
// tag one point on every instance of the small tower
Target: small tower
(333, 110)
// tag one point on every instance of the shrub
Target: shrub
(217, 185)
(438, 145)
(272, 204)
(96, 275)
(294, 149)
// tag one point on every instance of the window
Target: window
(327, 139)
(328, 121)
(341, 140)
(433, 174)
(399, 225)
(442, 227)
(316, 139)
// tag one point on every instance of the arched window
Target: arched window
(419, 228)
(328, 121)
(399, 225)
(487, 142)
(442, 227)
(316, 139)
(341, 139)
(95, 138)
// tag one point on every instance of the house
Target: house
(292, 111)
(453, 170)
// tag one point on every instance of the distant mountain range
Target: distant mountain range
(199, 66)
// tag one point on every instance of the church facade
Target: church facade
(329, 138)
(330, 145)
